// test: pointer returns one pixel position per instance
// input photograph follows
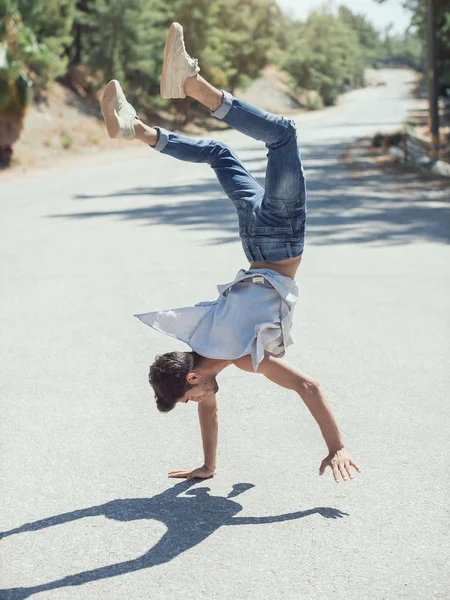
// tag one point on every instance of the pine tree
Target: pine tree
(231, 38)
(368, 36)
(244, 44)
(126, 42)
(22, 61)
(51, 22)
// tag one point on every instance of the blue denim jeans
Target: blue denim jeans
(271, 217)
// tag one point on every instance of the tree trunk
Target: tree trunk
(77, 45)
(10, 129)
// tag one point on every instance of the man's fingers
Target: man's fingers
(347, 466)
(342, 471)
(340, 465)
(337, 477)
(178, 474)
(355, 466)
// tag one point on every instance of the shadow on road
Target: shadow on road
(375, 208)
(189, 519)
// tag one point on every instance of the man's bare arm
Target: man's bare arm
(285, 375)
(209, 427)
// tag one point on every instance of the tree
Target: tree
(231, 38)
(406, 48)
(242, 48)
(418, 25)
(368, 36)
(325, 56)
(22, 61)
(51, 22)
(126, 41)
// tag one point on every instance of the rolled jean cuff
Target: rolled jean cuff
(224, 108)
(163, 139)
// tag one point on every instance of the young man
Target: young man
(249, 323)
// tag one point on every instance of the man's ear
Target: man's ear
(192, 378)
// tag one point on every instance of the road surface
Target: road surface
(87, 507)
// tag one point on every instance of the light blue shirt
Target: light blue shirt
(252, 315)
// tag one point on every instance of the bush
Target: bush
(395, 139)
(66, 141)
(323, 55)
(313, 100)
(392, 139)
(378, 140)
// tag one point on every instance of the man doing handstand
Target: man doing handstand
(249, 324)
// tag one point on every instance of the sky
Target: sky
(391, 11)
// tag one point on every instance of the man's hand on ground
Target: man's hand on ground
(340, 463)
(200, 473)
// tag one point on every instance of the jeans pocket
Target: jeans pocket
(297, 215)
(270, 217)
(241, 207)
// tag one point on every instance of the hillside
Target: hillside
(68, 126)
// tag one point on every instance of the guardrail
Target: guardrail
(412, 147)
(416, 151)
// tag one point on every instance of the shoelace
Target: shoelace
(192, 62)
(122, 102)
(193, 65)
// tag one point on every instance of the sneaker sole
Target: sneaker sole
(108, 106)
(166, 85)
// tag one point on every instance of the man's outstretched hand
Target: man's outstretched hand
(340, 463)
(200, 473)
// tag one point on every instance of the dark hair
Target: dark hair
(168, 377)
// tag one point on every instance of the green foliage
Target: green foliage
(240, 50)
(51, 22)
(25, 59)
(233, 40)
(15, 86)
(395, 139)
(368, 36)
(325, 56)
(405, 48)
(313, 100)
(390, 139)
(419, 16)
(329, 53)
(66, 141)
(125, 41)
(378, 140)
(419, 19)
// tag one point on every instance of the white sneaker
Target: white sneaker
(178, 65)
(119, 115)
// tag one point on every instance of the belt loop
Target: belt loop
(260, 255)
(248, 251)
(289, 249)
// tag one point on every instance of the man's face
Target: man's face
(205, 387)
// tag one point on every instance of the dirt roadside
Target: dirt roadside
(68, 130)
(361, 157)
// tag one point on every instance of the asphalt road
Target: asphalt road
(85, 454)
